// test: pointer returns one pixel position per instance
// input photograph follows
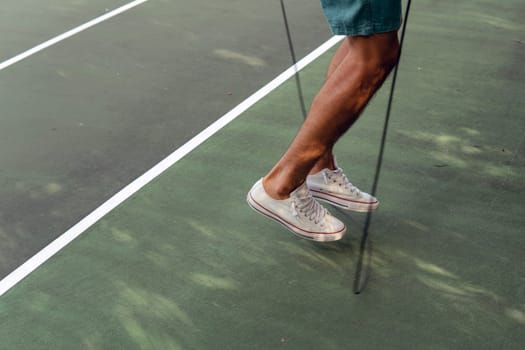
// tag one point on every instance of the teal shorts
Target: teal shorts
(362, 17)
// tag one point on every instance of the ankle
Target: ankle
(323, 164)
(275, 191)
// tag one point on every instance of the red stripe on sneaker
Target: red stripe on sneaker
(289, 223)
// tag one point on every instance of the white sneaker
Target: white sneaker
(300, 213)
(332, 186)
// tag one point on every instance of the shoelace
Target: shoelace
(340, 178)
(309, 207)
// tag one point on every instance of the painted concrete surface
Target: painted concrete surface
(82, 119)
(186, 264)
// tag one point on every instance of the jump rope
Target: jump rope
(359, 283)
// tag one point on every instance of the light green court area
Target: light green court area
(186, 264)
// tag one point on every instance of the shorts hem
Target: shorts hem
(363, 30)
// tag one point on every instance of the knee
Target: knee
(380, 62)
(377, 63)
(390, 57)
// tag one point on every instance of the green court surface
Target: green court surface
(186, 264)
(85, 117)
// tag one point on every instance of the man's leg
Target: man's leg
(358, 69)
(327, 160)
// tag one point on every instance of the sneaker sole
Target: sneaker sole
(341, 202)
(311, 236)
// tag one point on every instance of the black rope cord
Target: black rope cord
(358, 285)
(294, 61)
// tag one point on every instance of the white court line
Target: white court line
(54, 247)
(69, 33)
